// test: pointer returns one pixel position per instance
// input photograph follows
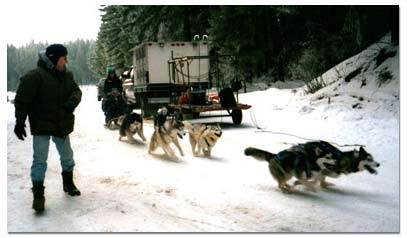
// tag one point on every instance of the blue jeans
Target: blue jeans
(41, 147)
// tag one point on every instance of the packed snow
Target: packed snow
(125, 189)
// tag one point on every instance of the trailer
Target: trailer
(224, 99)
(152, 86)
(165, 72)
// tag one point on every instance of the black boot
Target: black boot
(69, 186)
(39, 199)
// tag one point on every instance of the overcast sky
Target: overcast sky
(55, 22)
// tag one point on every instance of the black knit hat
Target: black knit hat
(55, 51)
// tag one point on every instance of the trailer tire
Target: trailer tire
(195, 115)
(138, 101)
(143, 106)
(237, 116)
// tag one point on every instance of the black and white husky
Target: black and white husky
(312, 162)
(131, 124)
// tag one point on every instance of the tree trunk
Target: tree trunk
(187, 25)
(394, 24)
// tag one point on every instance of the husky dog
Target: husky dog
(203, 137)
(115, 122)
(131, 124)
(312, 162)
(164, 135)
(346, 162)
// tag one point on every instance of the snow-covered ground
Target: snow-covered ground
(124, 189)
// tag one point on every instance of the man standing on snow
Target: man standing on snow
(48, 95)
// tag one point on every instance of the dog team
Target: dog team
(167, 131)
(310, 163)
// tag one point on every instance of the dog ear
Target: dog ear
(362, 151)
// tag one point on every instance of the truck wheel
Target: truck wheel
(143, 106)
(138, 101)
(195, 115)
(237, 116)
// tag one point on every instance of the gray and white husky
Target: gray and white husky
(312, 162)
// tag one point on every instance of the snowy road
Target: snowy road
(124, 189)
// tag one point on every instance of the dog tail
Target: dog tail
(259, 154)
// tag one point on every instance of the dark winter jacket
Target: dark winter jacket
(111, 83)
(48, 97)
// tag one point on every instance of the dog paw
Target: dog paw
(286, 191)
(326, 184)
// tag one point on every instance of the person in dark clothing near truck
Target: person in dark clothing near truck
(48, 96)
(112, 82)
(113, 104)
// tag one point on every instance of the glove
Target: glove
(20, 131)
(99, 98)
(69, 106)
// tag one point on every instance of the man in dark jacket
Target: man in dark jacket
(48, 95)
(113, 104)
(112, 82)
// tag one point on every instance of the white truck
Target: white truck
(177, 75)
(159, 79)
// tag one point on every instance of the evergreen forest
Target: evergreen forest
(282, 42)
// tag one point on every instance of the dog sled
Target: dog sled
(195, 110)
(197, 99)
